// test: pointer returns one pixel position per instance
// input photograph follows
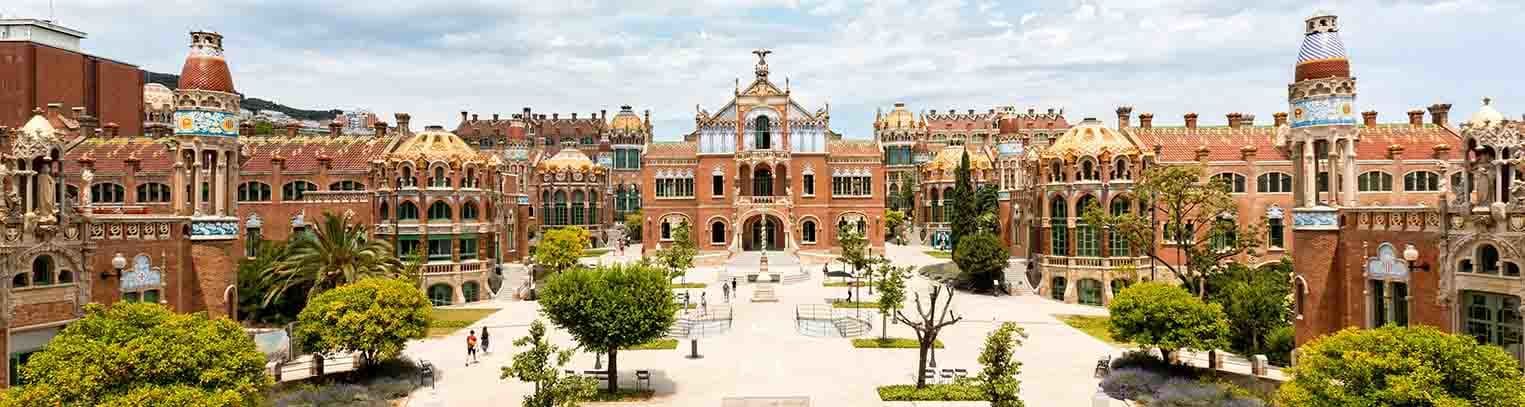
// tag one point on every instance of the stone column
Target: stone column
(1348, 173)
(218, 190)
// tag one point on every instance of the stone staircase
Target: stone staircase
(764, 293)
(797, 277)
(1015, 276)
(850, 328)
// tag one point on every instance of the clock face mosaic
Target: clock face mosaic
(1324, 111)
(205, 123)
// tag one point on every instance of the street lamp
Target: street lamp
(119, 263)
(1411, 254)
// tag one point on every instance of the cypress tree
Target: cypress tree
(963, 217)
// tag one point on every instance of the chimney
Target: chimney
(334, 128)
(1050, 110)
(1191, 120)
(291, 129)
(111, 129)
(1234, 120)
(971, 111)
(246, 129)
(1032, 111)
(1247, 120)
(527, 113)
(474, 117)
(555, 116)
(1146, 120)
(603, 113)
(402, 122)
(463, 115)
(1440, 114)
(934, 111)
(574, 115)
(381, 128)
(1416, 118)
(1280, 118)
(54, 109)
(1369, 118)
(1123, 114)
(494, 117)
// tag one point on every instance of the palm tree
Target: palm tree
(333, 254)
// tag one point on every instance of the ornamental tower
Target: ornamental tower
(1322, 134)
(206, 129)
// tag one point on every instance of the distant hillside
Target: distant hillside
(253, 104)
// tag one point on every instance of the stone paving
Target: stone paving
(764, 356)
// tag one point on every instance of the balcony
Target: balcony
(761, 201)
(464, 267)
(1096, 263)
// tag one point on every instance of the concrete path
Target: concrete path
(764, 355)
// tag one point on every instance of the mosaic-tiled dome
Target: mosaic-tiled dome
(1090, 138)
(205, 68)
(627, 120)
(568, 159)
(436, 144)
(900, 118)
(948, 160)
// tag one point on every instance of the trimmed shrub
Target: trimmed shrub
(933, 392)
(1279, 345)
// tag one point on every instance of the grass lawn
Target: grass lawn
(623, 395)
(595, 252)
(443, 321)
(1091, 325)
(660, 344)
(939, 254)
(892, 343)
(844, 284)
(688, 285)
(933, 392)
(854, 304)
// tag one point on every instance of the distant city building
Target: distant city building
(357, 121)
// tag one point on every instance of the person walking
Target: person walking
(725, 289)
(704, 305)
(471, 347)
(485, 341)
(733, 283)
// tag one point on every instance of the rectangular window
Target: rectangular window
(1277, 232)
(809, 184)
(1400, 293)
(717, 186)
(1379, 303)
(1493, 319)
(439, 249)
(407, 246)
(252, 239)
(1059, 245)
(468, 248)
(1085, 243)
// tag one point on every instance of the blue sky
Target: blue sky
(1169, 57)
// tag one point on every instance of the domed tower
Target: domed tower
(1323, 132)
(206, 128)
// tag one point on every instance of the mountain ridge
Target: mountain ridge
(253, 104)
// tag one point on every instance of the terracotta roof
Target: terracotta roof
(206, 72)
(347, 153)
(853, 147)
(1228, 144)
(111, 155)
(681, 149)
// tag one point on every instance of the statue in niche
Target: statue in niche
(46, 205)
(1482, 174)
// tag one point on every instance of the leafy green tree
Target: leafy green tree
(255, 283)
(610, 307)
(633, 223)
(1256, 302)
(1402, 366)
(335, 253)
(891, 292)
(375, 317)
(678, 257)
(854, 247)
(893, 221)
(541, 364)
(263, 127)
(985, 206)
(908, 198)
(930, 322)
(962, 221)
(999, 377)
(1197, 216)
(1167, 317)
(980, 259)
(560, 248)
(143, 354)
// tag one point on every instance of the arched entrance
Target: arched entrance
(763, 230)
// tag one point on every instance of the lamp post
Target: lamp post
(119, 263)
(1411, 254)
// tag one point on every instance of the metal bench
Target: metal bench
(643, 377)
(425, 370)
(947, 375)
(929, 374)
(601, 375)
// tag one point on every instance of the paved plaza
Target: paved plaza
(763, 355)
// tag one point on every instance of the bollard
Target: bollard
(693, 346)
(1258, 365)
(1214, 360)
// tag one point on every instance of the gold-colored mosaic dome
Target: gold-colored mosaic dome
(627, 120)
(948, 160)
(1090, 138)
(569, 159)
(900, 118)
(436, 144)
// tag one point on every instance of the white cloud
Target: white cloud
(1168, 57)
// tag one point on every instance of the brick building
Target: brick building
(42, 63)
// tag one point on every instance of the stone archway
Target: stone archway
(763, 231)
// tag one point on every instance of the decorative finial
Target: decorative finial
(762, 61)
(1487, 101)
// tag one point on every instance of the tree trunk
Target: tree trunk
(614, 378)
(884, 326)
(921, 367)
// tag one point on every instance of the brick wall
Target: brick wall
(214, 266)
(41, 313)
(1318, 265)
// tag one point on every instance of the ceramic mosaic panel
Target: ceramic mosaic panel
(1324, 111)
(205, 123)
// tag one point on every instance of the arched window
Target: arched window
(346, 185)
(1374, 181)
(1117, 245)
(42, 270)
(1487, 259)
(1120, 169)
(1090, 291)
(578, 207)
(254, 191)
(470, 289)
(808, 231)
(1274, 183)
(407, 179)
(294, 190)
(469, 210)
(407, 211)
(1058, 234)
(1055, 171)
(1425, 181)
(717, 232)
(439, 180)
(441, 294)
(439, 210)
(20, 280)
(471, 178)
(153, 192)
(761, 135)
(1088, 171)
(1230, 182)
(107, 192)
(385, 211)
(666, 230)
(1085, 234)
(1057, 286)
